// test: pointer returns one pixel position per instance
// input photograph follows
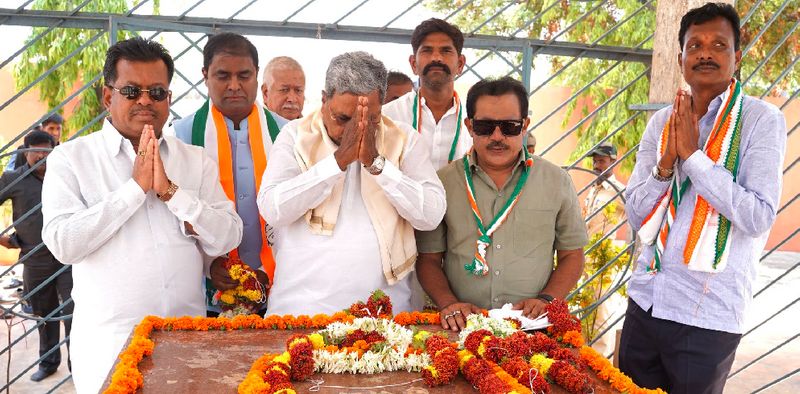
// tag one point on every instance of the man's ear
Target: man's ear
(468, 125)
(738, 55)
(680, 61)
(462, 61)
(107, 92)
(205, 74)
(412, 61)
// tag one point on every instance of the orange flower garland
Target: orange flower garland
(606, 371)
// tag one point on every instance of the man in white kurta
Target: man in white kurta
(136, 245)
(326, 268)
(435, 111)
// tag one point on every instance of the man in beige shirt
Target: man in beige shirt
(605, 195)
(507, 215)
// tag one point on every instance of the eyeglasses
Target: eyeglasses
(134, 92)
(486, 127)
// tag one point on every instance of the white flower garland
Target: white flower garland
(498, 327)
(391, 358)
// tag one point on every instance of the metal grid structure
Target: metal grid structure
(512, 54)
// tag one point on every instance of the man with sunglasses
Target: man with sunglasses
(344, 190)
(507, 214)
(133, 212)
(237, 135)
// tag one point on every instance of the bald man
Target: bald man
(284, 88)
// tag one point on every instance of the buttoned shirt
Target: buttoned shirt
(131, 252)
(244, 183)
(25, 193)
(546, 218)
(598, 199)
(714, 301)
(438, 135)
(325, 274)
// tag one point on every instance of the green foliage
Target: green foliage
(599, 287)
(784, 54)
(632, 28)
(58, 44)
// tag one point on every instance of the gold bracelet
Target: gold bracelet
(669, 171)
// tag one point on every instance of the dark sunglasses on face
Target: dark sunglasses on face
(486, 127)
(133, 92)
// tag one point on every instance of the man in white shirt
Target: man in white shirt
(133, 212)
(435, 110)
(284, 88)
(345, 187)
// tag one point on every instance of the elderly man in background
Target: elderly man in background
(284, 89)
(137, 224)
(345, 188)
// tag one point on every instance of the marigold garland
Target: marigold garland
(515, 362)
(607, 372)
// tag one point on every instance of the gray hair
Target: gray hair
(280, 63)
(357, 73)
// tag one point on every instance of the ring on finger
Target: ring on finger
(142, 153)
(457, 312)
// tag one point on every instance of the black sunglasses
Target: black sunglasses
(133, 92)
(486, 127)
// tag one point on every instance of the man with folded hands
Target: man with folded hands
(344, 188)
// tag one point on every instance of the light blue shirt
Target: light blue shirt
(717, 301)
(244, 184)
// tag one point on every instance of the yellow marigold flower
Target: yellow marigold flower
(236, 272)
(252, 295)
(279, 369)
(421, 336)
(286, 391)
(541, 363)
(482, 349)
(464, 356)
(283, 358)
(433, 370)
(297, 341)
(317, 341)
(227, 297)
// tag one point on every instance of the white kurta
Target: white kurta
(132, 256)
(325, 274)
(438, 136)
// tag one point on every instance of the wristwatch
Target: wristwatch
(169, 193)
(545, 297)
(658, 176)
(377, 165)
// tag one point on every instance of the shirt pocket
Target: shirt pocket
(534, 232)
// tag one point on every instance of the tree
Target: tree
(56, 45)
(551, 19)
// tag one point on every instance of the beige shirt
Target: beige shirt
(545, 219)
(611, 214)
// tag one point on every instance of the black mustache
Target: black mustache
(703, 64)
(496, 144)
(436, 64)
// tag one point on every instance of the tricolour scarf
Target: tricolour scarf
(212, 133)
(395, 235)
(708, 241)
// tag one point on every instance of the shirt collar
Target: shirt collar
(716, 103)
(472, 157)
(114, 141)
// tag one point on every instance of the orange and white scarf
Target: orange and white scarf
(708, 241)
(212, 134)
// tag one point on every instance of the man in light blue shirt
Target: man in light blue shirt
(687, 305)
(237, 134)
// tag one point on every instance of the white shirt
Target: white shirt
(325, 274)
(439, 136)
(132, 256)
